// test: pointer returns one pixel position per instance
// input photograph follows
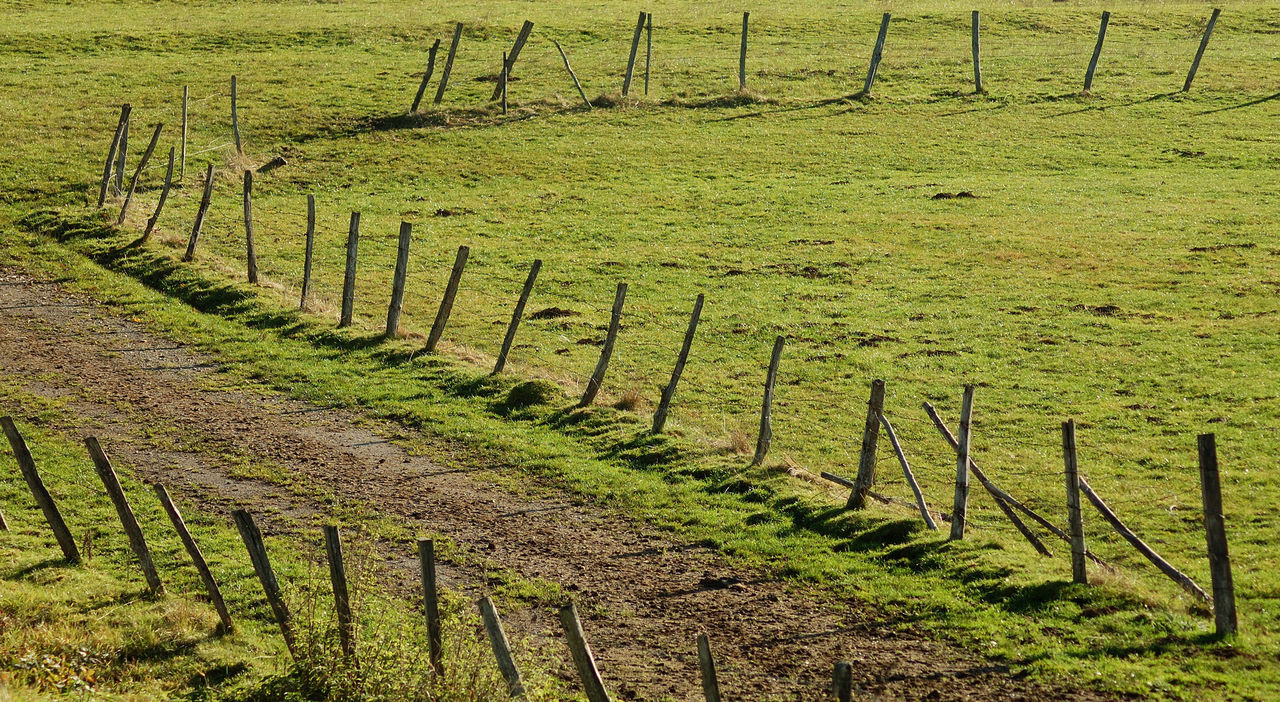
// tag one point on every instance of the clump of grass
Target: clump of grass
(530, 393)
(629, 401)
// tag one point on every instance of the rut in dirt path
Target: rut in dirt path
(649, 594)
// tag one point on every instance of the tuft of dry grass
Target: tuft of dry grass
(630, 401)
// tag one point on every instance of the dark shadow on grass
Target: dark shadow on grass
(1242, 105)
(1104, 108)
(46, 564)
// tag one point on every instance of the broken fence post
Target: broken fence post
(446, 302)
(349, 276)
(190, 255)
(906, 469)
(1097, 52)
(668, 392)
(431, 603)
(164, 195)
(1204, 44)
(251, 256)
(960, 504)
(1215, 530)
(448, 63)
(398, 281)
(1074, 519)
(572, 75)
(133, 183)
(516, 316)
(44, 500)
(501, 647)
(710, 686)
(252, 538)
(509, 59)
(111, 153)
(582, 658)
(876, 54)
(631, 59)
(870, 439)
(197, 558)
(307, 256)
(341, 597)
(765, 438)
(426, 77)
(127, 519)
(842, 681)
(606, 351)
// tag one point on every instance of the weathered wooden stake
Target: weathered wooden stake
(960, 504)
(742, 54)
(582, 658)
(137, 174)
(1215, 530)
(262, 566)
(906, 469)
(197, 558)
(127, 519)
(349, 277)
(606, 351)
(648, 48)
(1165, 567)
(870, 439)
(501, 648)
(1204, 44)
(502, 82)
(977, 58)
(446, 302)
(572, 75)
(509, 60)
(1074, 518)
(710, 686)
(182, 171)
(398, 282)
(631, 59)
(235, 117)
(4, 525)
(431, 603)
(190, 255)
(426, 77)
(765, 438)
(44, 500)
(341, 598)
(516, 316)
(668, 392)
(251, 256)
(122, 154)
(164, 195)
(1097, 51)
(842, 681)
(307, 256)
(448, 63)
(876, 54)
(111, 154)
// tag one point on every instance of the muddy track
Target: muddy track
(651, 594)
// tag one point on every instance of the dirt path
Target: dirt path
(653, 594)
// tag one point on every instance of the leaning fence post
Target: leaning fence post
(349, 277)
(164, 195)
(606, 351)
(27, 466)
(127, 519)
(710, 686)
(235, 117)
(876, 55)
(1074, 519)
(870, 439)
(1097, 51)
(122, 154)
(111, 153)
(977, 58)
(572, 75)
(398, 282)
(133, 182)
(197, 558)
(250, 255)
(341, 598)
(1215, 529)
(182, 171)
(446, 302)
(426, 77)
(190, 255)
(668, 392)
(252, 538)
(765, 437)
(501, 648)
(516, 316)
(906, 469)
(1204, 44)
(306, 260)
(448, 63)
(742, 54)
(631, 59)
(509, 60)
(582, 658)
(960, 504)
(431, 603)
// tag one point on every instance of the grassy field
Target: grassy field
(1115, 265)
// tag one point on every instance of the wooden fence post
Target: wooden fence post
(870, 440)
(842, 681)
(398, 282)
(127, 519)
(960, 504)
(1074, 518)
(448, 63)
(4, 525)
(122, 154)
(516, 316)
(426, 77)
(164, 195)
(977, 58)
(906, 469)
(572, 75)
(502, 83)
(251, 256)
(1097, 51)
(668, 392)
(307, 256)
(190, 255)
(1204, 44)
(431, 603)
(349, 277)
(235, 117)
(137, 174)
(501, 648)
(182, 172)
(710, 686)
(1215, 529)
(606, 351)
(341, 598)
(509, 60)
(582, 658)
(446, 302)
(27, 466)
(742, 54)
(111, 153)
(648, 48)
(197, 558)
(262, 566)
(631, 59)
(876, 54)
(765, 438)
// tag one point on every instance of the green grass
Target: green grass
(1107, 271)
